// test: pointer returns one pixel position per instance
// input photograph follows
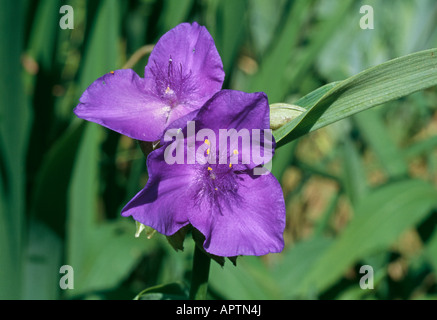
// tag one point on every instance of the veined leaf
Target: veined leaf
(372, 87)
(313, 97)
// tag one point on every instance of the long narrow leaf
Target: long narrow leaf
(385, 82)
(14, 131)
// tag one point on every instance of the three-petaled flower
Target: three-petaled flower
(238, 212)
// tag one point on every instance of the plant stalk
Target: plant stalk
(200, 274)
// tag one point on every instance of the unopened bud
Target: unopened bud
(141, 227)
(282, 113)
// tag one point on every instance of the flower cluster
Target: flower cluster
(238, 212)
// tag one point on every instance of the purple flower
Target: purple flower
(239, 213)
(184, 71)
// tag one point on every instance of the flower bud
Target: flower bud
(282, 113)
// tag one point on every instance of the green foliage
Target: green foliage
(380, 84)
(171, 291)
(360, 191)
(14, 135)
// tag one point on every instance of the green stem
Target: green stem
(200, 274)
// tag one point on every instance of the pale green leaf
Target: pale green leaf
(372, 87)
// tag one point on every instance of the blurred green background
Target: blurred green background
(359, 192)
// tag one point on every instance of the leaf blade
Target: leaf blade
(388, 81)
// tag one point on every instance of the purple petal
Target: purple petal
(185, 68)
(235, 109)
(119, 102)
(249, 222)
(239, 111)
(161, 204)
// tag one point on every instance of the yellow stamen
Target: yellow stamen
(167, 90)
(235, 151)
(207, 142)
(215, 189)
(112, 72)
(230, 165)
(207, 151)
(209, 169)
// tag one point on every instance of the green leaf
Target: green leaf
(42, 262)
(171, 291)
(284, 155)
(82, 197)
(355, 292)
(423, 147)
(313, 97)
(174, 12)
(308, 101)
(111, 253)
(372, 87)
(100, 56)
(354, 178)
(102, 48)
(15, 120)
(44, 30)
(376, 135)
(323, 225)
(249, 280)
(54, 175)
(101, 254)
(229, 30)
(47, 224)
(296, 263)
(320, 35)
(379, 220)
(264, 17)
(283, 158)
(271, 77)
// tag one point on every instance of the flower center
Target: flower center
(217, 184)
(172, 85)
